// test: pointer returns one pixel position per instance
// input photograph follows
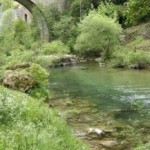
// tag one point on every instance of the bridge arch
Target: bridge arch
(43, 27)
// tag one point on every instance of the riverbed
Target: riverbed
(113, 101)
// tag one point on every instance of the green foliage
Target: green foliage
(119, 2)
(6, 4)
(80, 9)
(114, 11)
(15, 35)
(120, 58)
(47, 60)
(99, 35)
(6, 21)
(137, 11)
(51, 15)
(135, 55)
(26, 123)
(22, 33)
(55, 47)
(143, 147)
(18, 56)
(131, 59)
(141, 59)
(7, 41)
(40, 75)
(66, 30)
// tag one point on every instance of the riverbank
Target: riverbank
(134, 51)
(28, 123)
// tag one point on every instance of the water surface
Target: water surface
(103, 98)
(107, 88)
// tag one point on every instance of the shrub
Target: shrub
(55, 47)
(26, 123)
(120, 58)
(127, 57)
(22, 33)
(139, 59)
(40, 75)
(144, 147)
(98, 35)
(17, 56)
(46, 60)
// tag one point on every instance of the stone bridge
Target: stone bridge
(42, 25)
(27, 4)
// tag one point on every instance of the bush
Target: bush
(47, 60)
(120, 58)
(26, 123)
(144, 147)
(55, 47)
(99, 35)
(22, 33)
(40, 75)
(139, 59)
(126, 57)
(17, 56)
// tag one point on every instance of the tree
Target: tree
(65, 30)
(99, 35)
(137, 11)
(6, 4)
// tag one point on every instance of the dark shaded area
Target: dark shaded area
(27, 3)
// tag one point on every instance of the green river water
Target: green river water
(103, 98)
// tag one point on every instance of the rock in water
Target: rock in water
(109, 144)
(96, 131)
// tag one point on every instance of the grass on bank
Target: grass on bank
(27, 123)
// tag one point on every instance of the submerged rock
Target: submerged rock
(109, 144)
(95, 132)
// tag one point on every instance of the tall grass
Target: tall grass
(26, 123)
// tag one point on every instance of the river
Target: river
(107, 99)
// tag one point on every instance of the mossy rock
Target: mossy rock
(19, 80)
(28, 78)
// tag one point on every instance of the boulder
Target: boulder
(65, 60)
(95, 133)
(16, 79)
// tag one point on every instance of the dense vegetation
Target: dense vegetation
(91, 28)
(26, 123)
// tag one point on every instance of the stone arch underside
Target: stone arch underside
(42, 24)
